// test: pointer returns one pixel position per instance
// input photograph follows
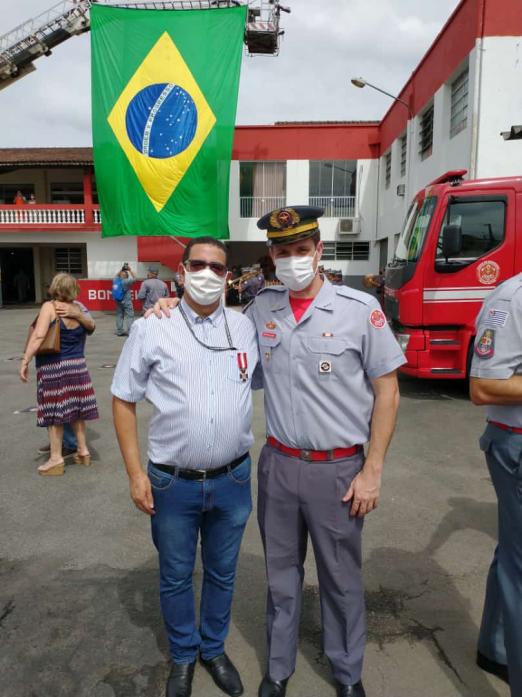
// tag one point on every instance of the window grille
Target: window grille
(404, 153)
(387, 168)
(68, 260)
(426, 133)
(346, 251)
(459, 103)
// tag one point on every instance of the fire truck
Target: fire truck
(460, 240)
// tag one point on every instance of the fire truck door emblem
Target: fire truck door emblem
(485, 347)
(488, 272)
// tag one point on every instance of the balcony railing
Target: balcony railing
(256, 206)
(335, 206)
(58, 215)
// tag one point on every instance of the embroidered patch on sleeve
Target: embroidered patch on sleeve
(496, 318)
(485, 347)
(377, 319)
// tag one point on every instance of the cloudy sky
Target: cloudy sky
(326, 42)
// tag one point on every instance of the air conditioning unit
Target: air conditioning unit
(348, 227)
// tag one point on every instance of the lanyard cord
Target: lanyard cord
(230, 346)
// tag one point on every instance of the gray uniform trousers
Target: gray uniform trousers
(297, 498)
(124, 313)
(501, 630)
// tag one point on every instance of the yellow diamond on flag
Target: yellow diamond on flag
(161, 120)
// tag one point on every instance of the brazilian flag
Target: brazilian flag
(164, 97)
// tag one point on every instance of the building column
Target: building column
(87, 195)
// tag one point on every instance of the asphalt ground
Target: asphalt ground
(79, 610)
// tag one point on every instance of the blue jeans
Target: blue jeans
(501, 629)
(218, 510)
(69, 437)
(124, 313)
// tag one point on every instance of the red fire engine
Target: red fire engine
(460, 240)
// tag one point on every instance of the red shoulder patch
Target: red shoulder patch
(377, 319)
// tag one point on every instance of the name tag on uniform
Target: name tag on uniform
(325, 366)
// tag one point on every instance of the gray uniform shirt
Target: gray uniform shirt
(202, 408)
(497, 352)
(151, 291)
(317, 372)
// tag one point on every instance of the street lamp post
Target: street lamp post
(360, 83)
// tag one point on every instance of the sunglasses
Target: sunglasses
(195, 265)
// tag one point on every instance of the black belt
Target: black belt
(200, 475)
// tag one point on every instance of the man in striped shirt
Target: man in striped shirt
(195, 368)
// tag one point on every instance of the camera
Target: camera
(125, 266)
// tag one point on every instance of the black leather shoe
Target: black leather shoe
(356, 690)
(225, 675)
(272, 688)
(490, 666)
(179, 683)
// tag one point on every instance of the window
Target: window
(8, 192)
(346, 251)
(67, 192)
(415, 228)
(403, 145)
(387, 169)
(68, 260)
(332, 186)
(426, 133)
(459, 104)
(262, 187)
(482, 224)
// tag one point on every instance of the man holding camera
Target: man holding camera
(122, 296)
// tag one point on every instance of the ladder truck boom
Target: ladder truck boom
(20, 47)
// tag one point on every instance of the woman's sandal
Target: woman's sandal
(82, 459)
(55, 470)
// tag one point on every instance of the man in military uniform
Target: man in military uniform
(329, 365)
(496, 381)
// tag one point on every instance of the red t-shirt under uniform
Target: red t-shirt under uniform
(300, 306)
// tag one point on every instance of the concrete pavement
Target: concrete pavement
(79, 611)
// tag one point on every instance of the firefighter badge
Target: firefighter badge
(485, 347)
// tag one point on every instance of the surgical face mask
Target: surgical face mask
(204, 287)
(296, 273)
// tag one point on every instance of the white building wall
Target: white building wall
(447, 153)
(500, 107)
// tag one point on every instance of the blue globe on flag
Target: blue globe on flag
(161, 120)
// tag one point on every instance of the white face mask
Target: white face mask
(296, 273)
(204, 287)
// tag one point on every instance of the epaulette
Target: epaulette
(354, 294)
(279, 287)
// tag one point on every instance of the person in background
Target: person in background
(152, 289)
(251, 287)
(65, 393)
(32, 199)
(121, 293)
(496, 382)
(19, 199)
(22, 285)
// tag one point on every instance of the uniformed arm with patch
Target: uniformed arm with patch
(497, 353)
(257, 377)
(381, 352)
(133, 369)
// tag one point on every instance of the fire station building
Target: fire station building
(449, 115)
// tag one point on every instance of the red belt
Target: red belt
(505, 427)
(314, 455)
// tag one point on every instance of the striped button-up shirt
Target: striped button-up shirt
(202, 405)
